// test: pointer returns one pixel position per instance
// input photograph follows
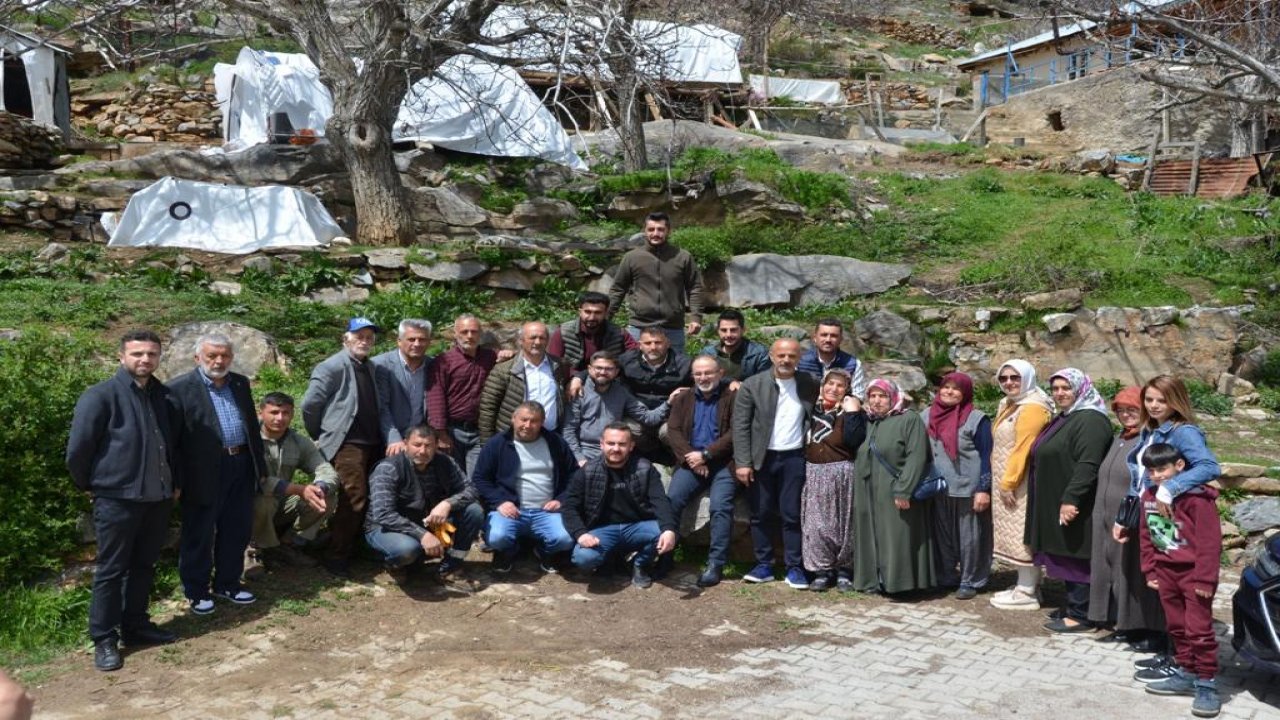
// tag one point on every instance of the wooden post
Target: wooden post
(755, 121)
(1194, 183)
(654, 111)
(1151, 159)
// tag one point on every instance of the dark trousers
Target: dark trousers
(215, 533)
(1189, 618)
(353, 464)
(130, 535)
(1077, 600)
(774, 495)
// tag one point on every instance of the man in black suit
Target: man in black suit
(222, 464)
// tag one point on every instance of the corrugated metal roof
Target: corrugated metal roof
(1216, 178)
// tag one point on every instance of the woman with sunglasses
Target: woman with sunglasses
(1022, 414)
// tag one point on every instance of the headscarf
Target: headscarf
(1030, 393)
(1129, 397)
(823, 421)
(896, 403)
(1087, 396)
(945, 421)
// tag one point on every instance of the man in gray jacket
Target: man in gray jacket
(602, 402)
(402, 385)
(769, 418)
(340, 412)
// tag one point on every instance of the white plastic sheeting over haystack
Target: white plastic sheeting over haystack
(221, 218)
(822, 92)
(469, 105)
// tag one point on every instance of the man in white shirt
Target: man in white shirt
(769, 418)
(533, 375)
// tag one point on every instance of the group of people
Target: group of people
(555, 448)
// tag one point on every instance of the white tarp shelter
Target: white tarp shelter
(699, 53)
(821, 92)
(33, 80)
(469, 105)
(221, 218)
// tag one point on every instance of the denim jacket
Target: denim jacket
(1202, 464)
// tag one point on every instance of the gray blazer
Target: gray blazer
(330, 403)
(753, 413)
(395, 407)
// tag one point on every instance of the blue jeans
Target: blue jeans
(675, 336)
(399, 549)
(623, 538)
(774, 496)
(720, 485)
(504, 534)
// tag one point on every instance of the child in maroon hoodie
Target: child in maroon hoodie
(1180, 558)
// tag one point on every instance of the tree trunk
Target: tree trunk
(360, 129)
(626, 90)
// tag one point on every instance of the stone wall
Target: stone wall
(159, 112)
(1111, 109)
(26, 145)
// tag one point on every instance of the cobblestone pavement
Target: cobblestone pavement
(868, 659)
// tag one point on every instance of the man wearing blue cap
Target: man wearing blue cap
(340, 411)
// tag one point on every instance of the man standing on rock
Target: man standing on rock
(739, 357)
(576, 341)
(454, 383)
(826, 355)
(222, 465)
(340, 412)
(658, 280)
(282, 503)
(403, 383)
(769, 419)
(123, 452)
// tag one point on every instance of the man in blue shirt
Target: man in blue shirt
(826, 355)
(222, 463)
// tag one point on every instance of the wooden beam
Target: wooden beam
(654, 111)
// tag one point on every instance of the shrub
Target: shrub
(41, 376)
(437, 302)
(1206, 399)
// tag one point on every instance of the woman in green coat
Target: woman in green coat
(893, 552)
(1062, 481)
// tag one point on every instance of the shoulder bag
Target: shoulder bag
(933, 484)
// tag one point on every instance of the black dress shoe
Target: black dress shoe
(1063, 626)
(1150, 644)
(1119, 636)
(710, 576)
(148, 634)
(1056, 614)
(106, 655)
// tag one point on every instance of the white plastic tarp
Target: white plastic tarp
(40, 63)
(221, 218)
(824, 92)
(469, 105)
(478, 107)
(262, 84)
(698, 53)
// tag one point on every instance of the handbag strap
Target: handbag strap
(871, 440)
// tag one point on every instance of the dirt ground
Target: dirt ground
(513, 626)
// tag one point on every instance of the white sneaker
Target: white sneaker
(1016, 598)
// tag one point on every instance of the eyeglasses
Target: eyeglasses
(1127, 411)
(1009, 378)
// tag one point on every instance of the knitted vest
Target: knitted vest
(573, 343)
(1003, 436)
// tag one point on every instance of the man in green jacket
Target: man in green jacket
(658, 280)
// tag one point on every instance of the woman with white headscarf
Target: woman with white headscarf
(1023, 413)
(1062, 482)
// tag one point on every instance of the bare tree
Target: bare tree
(1203, 51)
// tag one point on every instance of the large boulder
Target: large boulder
(1112, 342)
(256, 165)
(909, 377)
(767, 279)
(253, 349)
(1257, 514)
(443, 205)
(890, 332)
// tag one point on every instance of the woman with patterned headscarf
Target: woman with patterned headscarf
(836, 429)
(1023, 413)
(1063, 478)
(960, 437)
(892, 549)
